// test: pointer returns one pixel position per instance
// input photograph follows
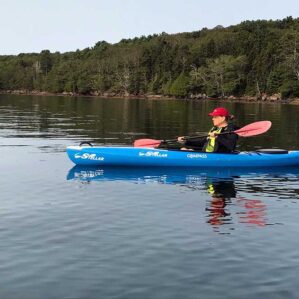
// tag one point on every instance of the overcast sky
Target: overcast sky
(67, 25)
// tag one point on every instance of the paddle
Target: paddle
(253, 129)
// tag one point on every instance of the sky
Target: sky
(28, 26)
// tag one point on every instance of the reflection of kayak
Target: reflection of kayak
(218, 183)
(139, 174)
(133, 156)
(172, 175)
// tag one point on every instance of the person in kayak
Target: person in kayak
(215, 143)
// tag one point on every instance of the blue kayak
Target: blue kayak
(134, 156)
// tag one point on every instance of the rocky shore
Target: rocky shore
(276, 98)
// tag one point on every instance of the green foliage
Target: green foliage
(289, 89)
(166, 88)
(45, 61)
(179, 87)
(250, 58)
(274, 81)
(222, 76)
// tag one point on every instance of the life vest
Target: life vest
(211, 141)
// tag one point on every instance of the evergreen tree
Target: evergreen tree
(250, 58)
(179, 87)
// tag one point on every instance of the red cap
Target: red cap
(220, 111)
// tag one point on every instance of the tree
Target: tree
(179, 87)
(222, 76)
(45, 62)
(250, 58)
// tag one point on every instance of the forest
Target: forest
(249, 59)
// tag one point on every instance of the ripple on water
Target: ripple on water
(91, 233)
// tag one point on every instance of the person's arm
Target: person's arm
(193, 144)
(198, 142)
(228, 140)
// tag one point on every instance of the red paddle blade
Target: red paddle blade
(253, 129)
(146, 143)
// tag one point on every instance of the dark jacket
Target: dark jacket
(224, 143)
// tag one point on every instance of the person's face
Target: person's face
(218, 120)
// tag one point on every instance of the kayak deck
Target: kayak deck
(133, 156)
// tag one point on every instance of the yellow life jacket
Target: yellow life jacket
(210, 147)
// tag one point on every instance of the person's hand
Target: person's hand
(181, 139)
(213, 134)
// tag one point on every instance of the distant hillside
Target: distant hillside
(251, 58)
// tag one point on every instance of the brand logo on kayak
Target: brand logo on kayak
(152, 154)
(196, 156)
(87, 156)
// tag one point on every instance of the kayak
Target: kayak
(145, 157)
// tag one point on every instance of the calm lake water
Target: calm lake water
(71, 232)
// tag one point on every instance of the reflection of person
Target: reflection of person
(221, 192)
(215, 142)
(253, 211)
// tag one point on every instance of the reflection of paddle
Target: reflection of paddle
(253, 129)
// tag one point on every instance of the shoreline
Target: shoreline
(263, 99)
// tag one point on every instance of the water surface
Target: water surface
(73, 232)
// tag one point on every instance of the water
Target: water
(73, 232)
